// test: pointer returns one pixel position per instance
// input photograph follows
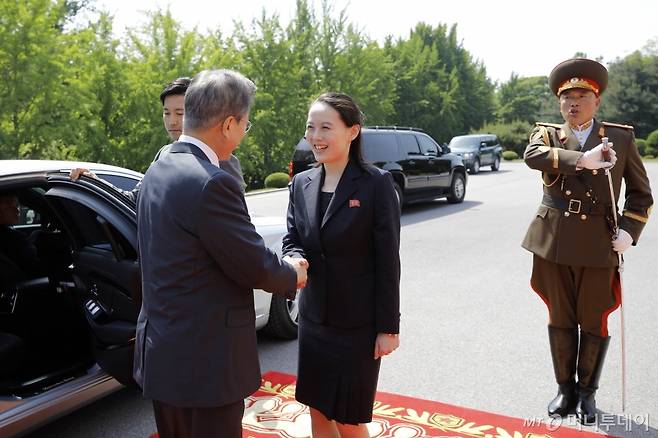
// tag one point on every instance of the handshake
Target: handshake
(301, 266)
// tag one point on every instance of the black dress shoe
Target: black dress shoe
(586, 408)
(564, 402)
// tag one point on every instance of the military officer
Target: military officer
(572, 234)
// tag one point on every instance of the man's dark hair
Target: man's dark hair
(177, 86)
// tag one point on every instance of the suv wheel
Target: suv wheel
(496, 164)
(284, 315)
(476, 166)
(457, 189)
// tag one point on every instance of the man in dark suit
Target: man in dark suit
(195, 351)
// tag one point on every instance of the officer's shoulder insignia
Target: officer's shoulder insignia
(617, 125)
(540, 133)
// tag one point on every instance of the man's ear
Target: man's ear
(225, 126)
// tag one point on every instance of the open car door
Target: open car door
(105, 269)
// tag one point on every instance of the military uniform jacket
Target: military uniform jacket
(574, 224)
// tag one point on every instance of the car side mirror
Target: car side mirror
(446, 149)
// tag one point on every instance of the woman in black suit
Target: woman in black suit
(343, 217)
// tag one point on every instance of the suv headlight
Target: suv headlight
(468, 155)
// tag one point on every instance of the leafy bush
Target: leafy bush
(641, 146)
(277, 180)
(652, 141)
(510, 155)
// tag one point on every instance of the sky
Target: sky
(509, 36)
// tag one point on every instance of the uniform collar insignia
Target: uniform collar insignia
(563, 135)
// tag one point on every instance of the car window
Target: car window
(94, 231)
(427, 145)
(410, 144)
(464, 143)
(379, 147)
(28, 216)
(122, 182)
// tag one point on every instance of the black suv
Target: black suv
(422, 169)
(478, 150)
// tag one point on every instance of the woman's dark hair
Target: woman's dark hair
(177, 86)
(351, 115)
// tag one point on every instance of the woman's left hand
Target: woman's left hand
(385, 344)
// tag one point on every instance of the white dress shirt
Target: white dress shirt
(582, 133)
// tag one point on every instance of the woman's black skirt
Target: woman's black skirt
(337, 373)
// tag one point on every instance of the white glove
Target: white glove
(622, 242)
(593, 158)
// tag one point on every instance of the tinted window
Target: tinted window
(122, 182)
(492, 141)
(464, 143)
(379, 147)
(427, 145)
(28, 216)
(410, 144)
(94, 231)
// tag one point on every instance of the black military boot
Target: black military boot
(564, 351)
(590, 363)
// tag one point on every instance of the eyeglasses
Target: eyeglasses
(248, 127)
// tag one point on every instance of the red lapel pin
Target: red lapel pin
(355, 203)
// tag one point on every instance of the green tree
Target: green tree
(632, 95)
(42, 103)
(155, 54)
(440, 87)
(267, 58)
(525, 99)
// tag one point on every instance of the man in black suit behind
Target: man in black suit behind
(195, 350)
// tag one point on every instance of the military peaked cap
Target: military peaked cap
(578, 73)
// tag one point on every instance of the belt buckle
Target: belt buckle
(574, 206)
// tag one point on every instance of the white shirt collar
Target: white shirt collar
(581, 135)
(212, 156)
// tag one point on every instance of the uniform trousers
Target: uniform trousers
(207, 422)
(577, 295)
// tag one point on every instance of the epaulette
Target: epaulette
(617, 125)
(549, 125)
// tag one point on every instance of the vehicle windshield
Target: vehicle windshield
(464, 144)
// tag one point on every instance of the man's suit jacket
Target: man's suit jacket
(353, 252)
(232, 166)
(200, 257)
(579, 234)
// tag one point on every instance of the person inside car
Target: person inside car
(20, 259)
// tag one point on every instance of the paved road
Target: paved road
(473, 333)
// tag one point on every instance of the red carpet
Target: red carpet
(272, 412)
